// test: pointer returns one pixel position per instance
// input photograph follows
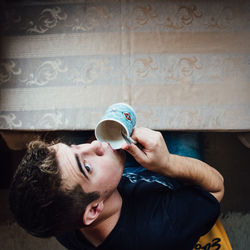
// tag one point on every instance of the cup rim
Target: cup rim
(109, 119)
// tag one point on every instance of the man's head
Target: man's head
(57, 188)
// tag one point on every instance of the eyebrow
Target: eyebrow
(80, 166)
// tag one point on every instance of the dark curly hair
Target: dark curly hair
(37, 199)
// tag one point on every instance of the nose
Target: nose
(94, 147)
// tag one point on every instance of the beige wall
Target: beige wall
(180, 64)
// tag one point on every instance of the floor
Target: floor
(223, 151)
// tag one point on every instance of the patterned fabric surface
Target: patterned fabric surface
(179, 64)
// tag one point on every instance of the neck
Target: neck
(98, 231)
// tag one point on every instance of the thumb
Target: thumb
(136, 152)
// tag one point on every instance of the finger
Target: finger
(145, 138)
(139, 135)
(136, 152)
(125, 146)
(137, 132)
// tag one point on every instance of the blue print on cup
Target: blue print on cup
(118, 118)
(123, 113)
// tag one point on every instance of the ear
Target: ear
(92, 212)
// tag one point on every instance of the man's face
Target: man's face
(95, 166)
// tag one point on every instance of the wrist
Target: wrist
(167, 168)
(171, 165)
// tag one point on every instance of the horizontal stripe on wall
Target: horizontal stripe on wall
(214, 117)
(124, 44)
(132, 16)
(80, 97)
(137, 69)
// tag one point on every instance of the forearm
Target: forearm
(196, 172)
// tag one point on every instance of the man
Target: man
(77, 193)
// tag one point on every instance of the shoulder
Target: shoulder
(194, 209)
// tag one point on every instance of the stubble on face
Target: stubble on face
(122, 156)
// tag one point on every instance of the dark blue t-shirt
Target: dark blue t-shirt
(155, 216)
